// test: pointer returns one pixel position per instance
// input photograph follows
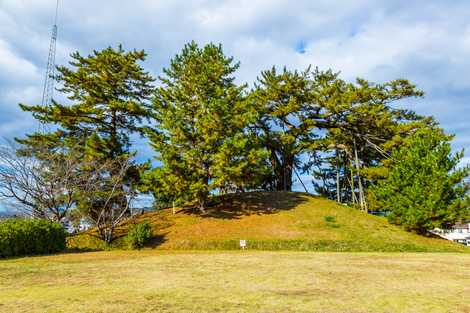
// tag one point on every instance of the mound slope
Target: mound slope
(275, 221)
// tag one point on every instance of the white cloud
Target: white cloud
(425, 41)
(14, 67)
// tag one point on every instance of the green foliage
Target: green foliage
(30, 236)
(139, 234)
(109, 90)
(110, 94)
(201, 135)
(330, 219)
(362, 122)
(424, 188)
(315, 112)
(291, 113)
(467, 205)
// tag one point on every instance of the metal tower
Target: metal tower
(48, 90)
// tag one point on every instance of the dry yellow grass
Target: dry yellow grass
(279, 221)
(242, 281)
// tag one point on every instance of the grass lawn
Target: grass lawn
(243, 281)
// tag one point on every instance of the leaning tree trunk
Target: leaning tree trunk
(359, 181)
(338, 187)
(300, 180)
(353, 188)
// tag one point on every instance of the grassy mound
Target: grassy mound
(273, 221)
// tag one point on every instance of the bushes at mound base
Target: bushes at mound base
(29, 237)
(138, 235)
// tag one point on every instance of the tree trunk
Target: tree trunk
(201, 205)
(353, 188)
(361, 190)
(108, 235)
(284, 174)
(338, 190)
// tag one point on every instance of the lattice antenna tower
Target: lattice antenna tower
(48, 90)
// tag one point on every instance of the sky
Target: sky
(427, 42)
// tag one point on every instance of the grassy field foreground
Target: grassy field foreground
(248, 281)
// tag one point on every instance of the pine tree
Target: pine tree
(201, 136)
(108, 91)
(364, 127)
(424, 188)
(292, 113)
(109, 95)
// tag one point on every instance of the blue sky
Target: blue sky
(427, 42)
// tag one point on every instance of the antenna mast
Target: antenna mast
(48, 90)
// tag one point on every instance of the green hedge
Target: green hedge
(28, 237)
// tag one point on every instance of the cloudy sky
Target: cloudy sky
(425, 41)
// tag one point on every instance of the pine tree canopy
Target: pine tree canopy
(311, 111)
(425, 188)
(109, 93)
(201, 133)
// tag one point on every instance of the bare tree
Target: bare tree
(108, 194)
(49, 184)
(43, 187)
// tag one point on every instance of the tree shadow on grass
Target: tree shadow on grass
(75, 250)
(157, 240)
(117, 244)
(234, 206)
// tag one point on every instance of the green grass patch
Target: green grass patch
(329, 219)
(307, 245)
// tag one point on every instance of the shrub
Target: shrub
(29, 237)
(138, 235)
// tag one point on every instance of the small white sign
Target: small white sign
(243, 243)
